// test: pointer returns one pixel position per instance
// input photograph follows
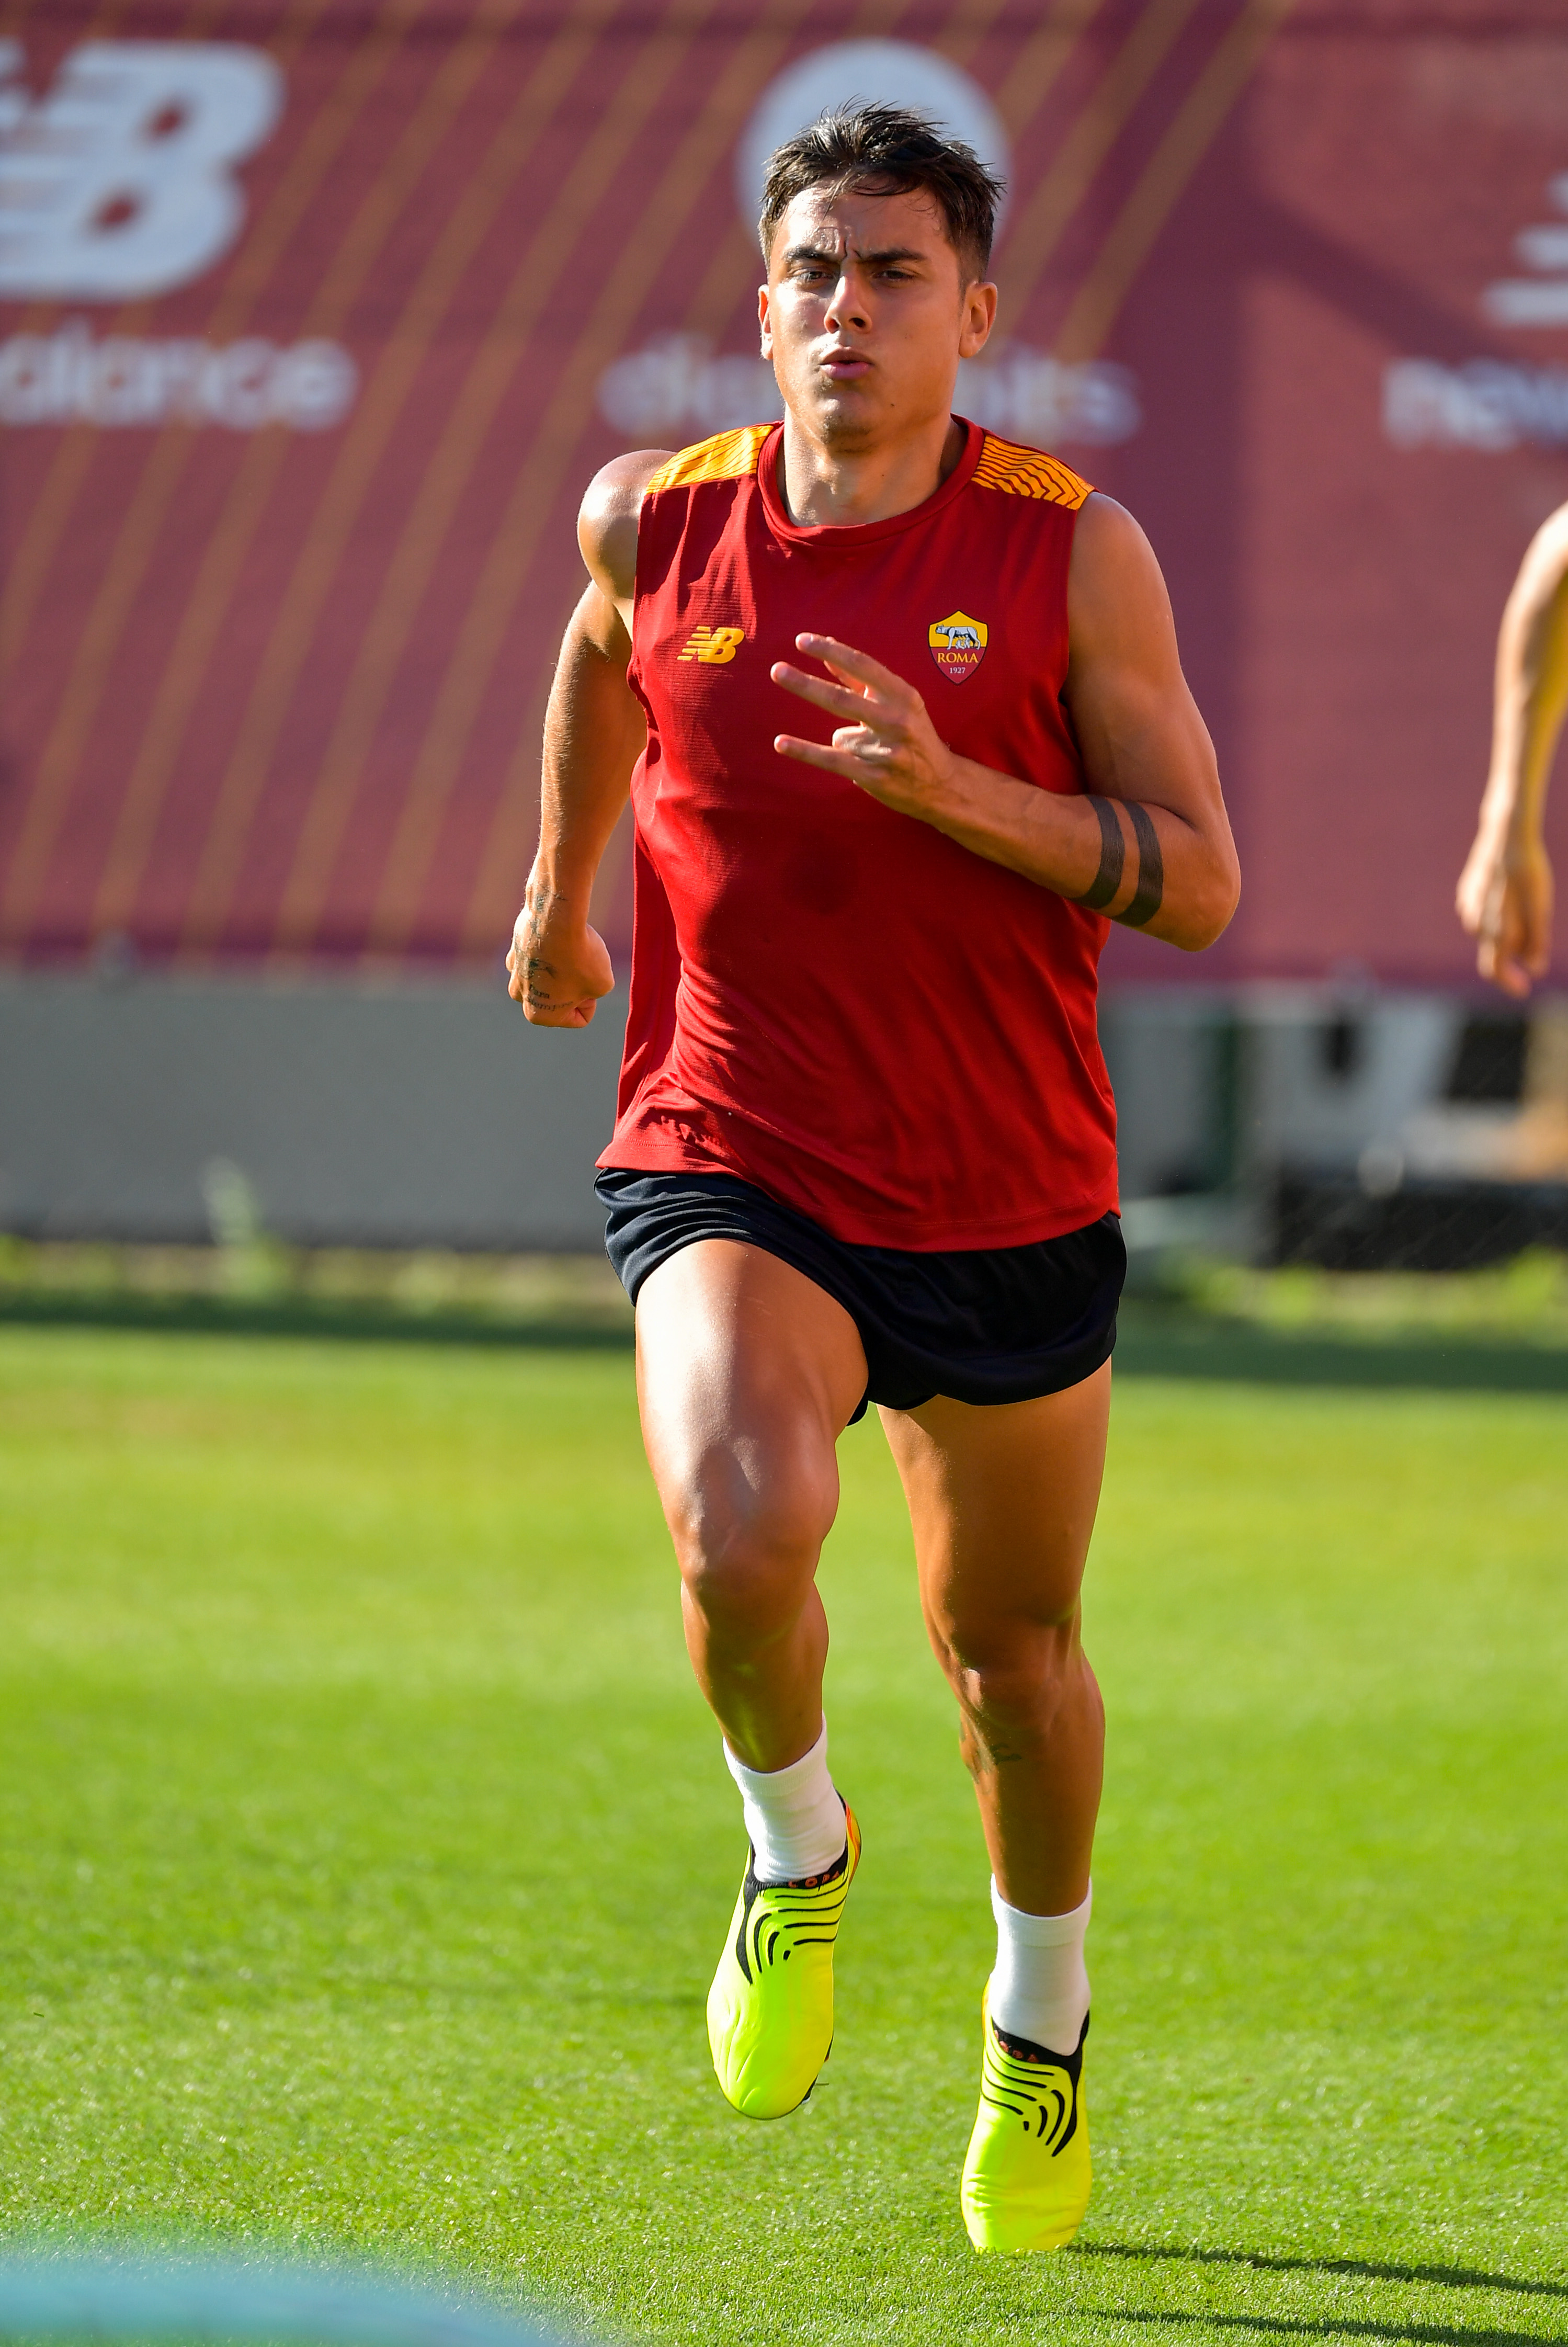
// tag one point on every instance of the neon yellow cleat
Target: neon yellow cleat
(1026, 2178)
(770, 2009)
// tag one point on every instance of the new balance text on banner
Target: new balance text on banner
(315, 318)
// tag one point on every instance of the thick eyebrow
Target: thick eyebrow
(876, 260)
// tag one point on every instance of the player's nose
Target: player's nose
(845, 307)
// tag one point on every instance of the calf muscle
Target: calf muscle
(1002, 1501)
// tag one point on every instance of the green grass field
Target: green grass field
(367, 1849)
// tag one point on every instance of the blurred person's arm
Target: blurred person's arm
(1505, 890)
(594, 734)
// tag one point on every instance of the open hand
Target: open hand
(1504, 900)
(885, 743)
(558, 966)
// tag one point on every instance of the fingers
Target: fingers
(837, 655)
(555, 1014)
(838, 700)
(815, 754)
(874, 686)
(1527, 952)
(1506, 908)
(1535, 943)
(543, 1010)
(1501, 956)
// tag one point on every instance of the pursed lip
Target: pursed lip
(843, 363)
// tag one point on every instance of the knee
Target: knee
(1014, 1673)
(748, 1545)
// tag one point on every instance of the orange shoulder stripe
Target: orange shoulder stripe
(1028, 473)
(728, 456)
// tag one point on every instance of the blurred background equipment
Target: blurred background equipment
(315, 318)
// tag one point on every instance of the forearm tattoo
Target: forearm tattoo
(1149, 894)
(1108, 879)
(1151, 889)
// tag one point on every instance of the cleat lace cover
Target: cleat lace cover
(770, 2009)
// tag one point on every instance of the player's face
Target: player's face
(866, 316)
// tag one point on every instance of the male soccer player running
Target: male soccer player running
(865, 1148)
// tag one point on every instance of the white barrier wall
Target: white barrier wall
(407, 1115)
(431, 1114)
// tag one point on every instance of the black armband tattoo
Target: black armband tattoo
(1150, 893)
(1108, 879)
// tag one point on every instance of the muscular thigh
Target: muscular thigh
(1002, 1501)
(747, 1373)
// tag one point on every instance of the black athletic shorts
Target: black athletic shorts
(978, 1324)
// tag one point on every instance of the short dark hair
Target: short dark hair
(888, 150)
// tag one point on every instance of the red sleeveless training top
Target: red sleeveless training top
(832, 1000)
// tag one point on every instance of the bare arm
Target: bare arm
(1504, 897)
(1150, 845)
(594, 734)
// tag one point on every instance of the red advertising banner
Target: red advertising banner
(315, 317)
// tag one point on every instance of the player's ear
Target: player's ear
(978, 317)
(764, 321)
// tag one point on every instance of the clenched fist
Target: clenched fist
(558, 967)
(1504, 900)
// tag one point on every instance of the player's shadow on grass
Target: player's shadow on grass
(1333, 2326)
(1328, 2326)
(1362, 2269)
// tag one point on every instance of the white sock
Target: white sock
(793, 1817)
(1039, 1989)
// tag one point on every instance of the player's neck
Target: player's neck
(827, 489)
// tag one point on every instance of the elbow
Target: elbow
(1208, 916)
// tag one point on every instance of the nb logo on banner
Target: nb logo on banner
(119, 184)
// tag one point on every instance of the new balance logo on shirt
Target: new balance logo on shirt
(712, 646)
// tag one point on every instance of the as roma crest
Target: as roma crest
(957, 645)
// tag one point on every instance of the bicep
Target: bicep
(1544, 573)
(1537, 640)
(1139, 729)
(597, 622)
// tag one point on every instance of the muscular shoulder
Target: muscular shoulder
(607, 519)
(1115, 592)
